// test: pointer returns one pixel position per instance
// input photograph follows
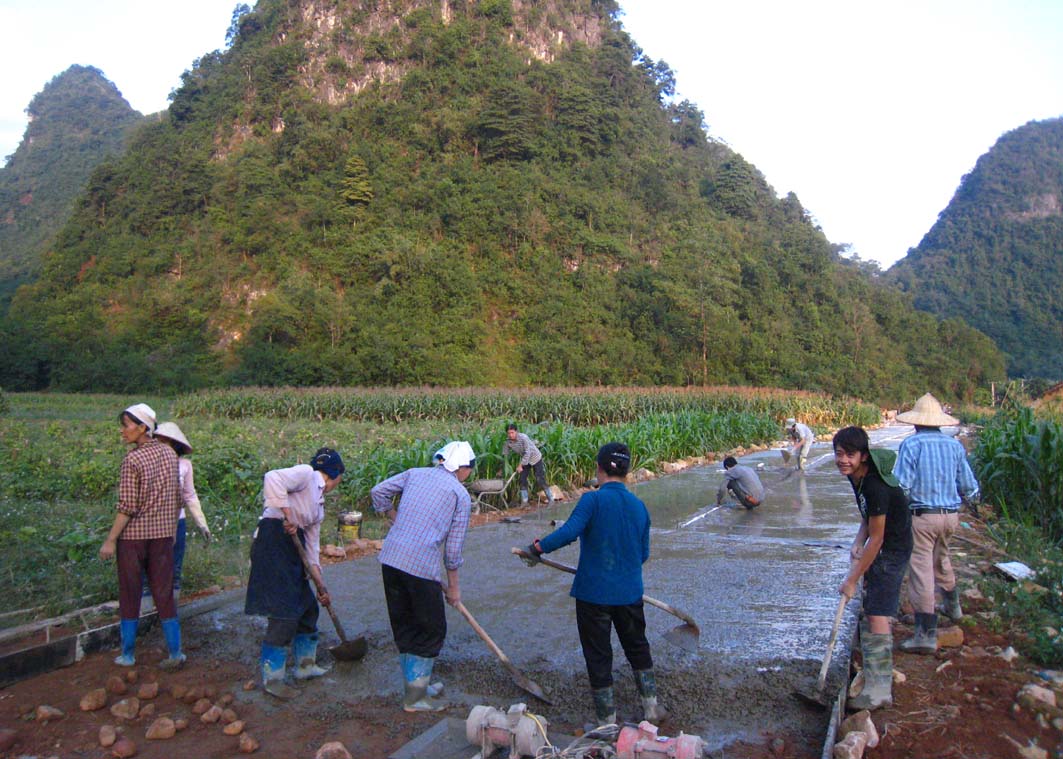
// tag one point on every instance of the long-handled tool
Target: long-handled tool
(346, 650)
(814, 694)
(518, 677)
(686, 635)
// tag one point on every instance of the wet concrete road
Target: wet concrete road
(762, 585)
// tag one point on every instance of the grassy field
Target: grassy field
(60, 454)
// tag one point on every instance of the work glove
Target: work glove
(531, 555)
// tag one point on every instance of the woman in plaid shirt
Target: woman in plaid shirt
(149, 497)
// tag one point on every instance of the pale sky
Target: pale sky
(870, 112)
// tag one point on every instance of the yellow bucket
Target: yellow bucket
(350, 526)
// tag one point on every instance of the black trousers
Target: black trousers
(595, 623)
(418, 616)
(540, 475)
(281, 632)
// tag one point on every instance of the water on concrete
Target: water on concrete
(761, 584)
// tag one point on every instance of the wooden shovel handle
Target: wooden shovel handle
(482, 633)
(319, 587)
(647, 599)
(822, 679)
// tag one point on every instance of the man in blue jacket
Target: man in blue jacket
(613, 527)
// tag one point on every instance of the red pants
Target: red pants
(153, 558)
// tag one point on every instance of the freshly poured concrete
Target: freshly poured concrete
(762, 585)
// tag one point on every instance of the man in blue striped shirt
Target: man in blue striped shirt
(932, 468)
(433, 513)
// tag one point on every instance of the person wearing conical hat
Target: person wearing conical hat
(170, 434)
(879, 555)
(932, 468)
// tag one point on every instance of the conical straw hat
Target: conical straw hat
(173, 432)
(927, 412)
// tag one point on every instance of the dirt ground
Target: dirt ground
(959, 703)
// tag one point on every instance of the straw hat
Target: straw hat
(927, 412)
(171, 431)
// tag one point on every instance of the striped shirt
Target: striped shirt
(149, 492)
(525, 447)
(301, 490)
(932, 468)
(433, 512)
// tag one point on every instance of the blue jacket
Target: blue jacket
(613, 527)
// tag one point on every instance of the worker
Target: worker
(433, 512)
(294, 507)
(742, 482)
(803, 438)
(613, 527)
(879, 554)
(171, 435)
(932, 467)
(149, 496)
(530, 458)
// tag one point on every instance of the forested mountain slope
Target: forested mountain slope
(459, 193)
(76, 121)
(995, 256)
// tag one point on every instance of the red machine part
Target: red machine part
(642, 742)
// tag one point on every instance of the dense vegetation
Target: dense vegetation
(1018, 460)
(77, 121)
(408, 199)
(993, 257)
(57, 496)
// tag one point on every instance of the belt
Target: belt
(921, 512)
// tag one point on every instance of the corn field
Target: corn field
(576, 406)
(1018, 462)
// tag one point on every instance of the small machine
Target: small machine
(517, 729)
(642, 742)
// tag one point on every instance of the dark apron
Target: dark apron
(278, 586)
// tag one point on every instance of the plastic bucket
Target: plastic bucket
(350, 526)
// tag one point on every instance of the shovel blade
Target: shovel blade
(686, 636)
(350, 650)
(812, 692)
(527, 684)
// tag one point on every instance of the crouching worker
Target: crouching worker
(613, 527)
(278, 587)
(149, 497)
(432, 513)
(879, 555)
(743, 483)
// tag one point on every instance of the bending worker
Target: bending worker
(803, 438)
(530, 457)
(613, 527)
(278, 587)
(433, 512)
(933, 469)
(743, 483)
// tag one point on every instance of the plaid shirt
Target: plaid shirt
(932, 468)
(433, 511)
(149, 491)
(525, 447)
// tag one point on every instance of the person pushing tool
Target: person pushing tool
(613, 527)
(879, 554)
(531, 459)
(803, 438)
(433, 511)
(278, 588)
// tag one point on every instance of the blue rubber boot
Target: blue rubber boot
(128, 628)
(272, 661)
(305, 648)
(417, 671)
(171, 630)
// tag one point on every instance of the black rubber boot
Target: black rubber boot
(604, 705)
(646, 682)
(925, 639)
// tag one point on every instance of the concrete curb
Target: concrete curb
(44, 657)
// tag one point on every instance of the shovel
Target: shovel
(686, 635)
(518, 677)
(347, 650)
(814, 693)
